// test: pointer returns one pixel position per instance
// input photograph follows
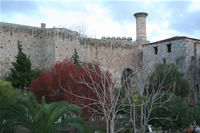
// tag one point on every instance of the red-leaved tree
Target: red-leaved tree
(63, 82)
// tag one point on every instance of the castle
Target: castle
(46, 46)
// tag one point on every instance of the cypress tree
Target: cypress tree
(21, 73)
(76, 59)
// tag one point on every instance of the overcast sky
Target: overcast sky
(108, 18)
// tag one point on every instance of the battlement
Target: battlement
(12, 29)
(43, 33)
(116, 38)
(114, 43)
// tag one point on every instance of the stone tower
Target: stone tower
(141, 26)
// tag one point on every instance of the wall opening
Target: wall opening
(155, 50)
(169, 48)
(126, 78)
(197, 91)
(164, 60)
(197, 87)
(192, 59)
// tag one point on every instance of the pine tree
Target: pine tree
(21, 73)
(76, 59)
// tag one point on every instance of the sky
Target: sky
(108, 18)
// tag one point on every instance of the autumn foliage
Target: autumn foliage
(77, 85)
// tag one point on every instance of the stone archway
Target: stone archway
(126, 78)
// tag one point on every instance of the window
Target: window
(197, 88)
(169, 48)
(155, 50)
(192, 59)
(164, 60)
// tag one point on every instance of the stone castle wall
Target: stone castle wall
(46, 46)
(9, 34)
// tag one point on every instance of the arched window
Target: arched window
(126, 78)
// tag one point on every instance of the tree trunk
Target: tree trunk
(134, 119)
(107, 126)
(142, 116)
(112, 124)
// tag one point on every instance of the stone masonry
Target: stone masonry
(184, 52)
(46, 46)
(177, 50)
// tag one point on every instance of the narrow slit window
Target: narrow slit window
(164, 60)
(155, 50)
(197, 88)
(169, 48)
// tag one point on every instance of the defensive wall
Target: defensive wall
(46, 46)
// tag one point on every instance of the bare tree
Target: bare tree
(82, 29)
(106, 89)
(109, 99)
(145, 96)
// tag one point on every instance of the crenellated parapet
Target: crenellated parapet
(108, 42)
(36, 32)
(129, 39)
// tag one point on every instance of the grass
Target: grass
(157, 129)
